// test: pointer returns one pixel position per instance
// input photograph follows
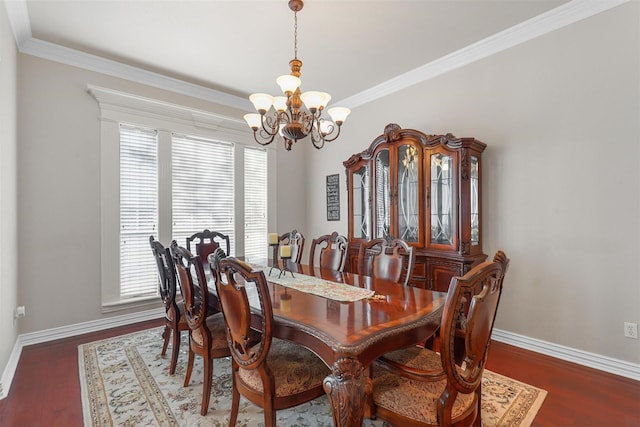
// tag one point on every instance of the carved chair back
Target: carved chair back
(238, 285)
(166, 274)
(387, 258)
(332, 251)
(295, 239)
(207, 241)
(194, 291)
(467, 320)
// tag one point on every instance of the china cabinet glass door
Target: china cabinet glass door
(360, 203)
(408, 206)
(474, 205)
(442, 206)
(382, 203)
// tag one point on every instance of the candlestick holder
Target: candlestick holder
(274, 257)
(285, 267)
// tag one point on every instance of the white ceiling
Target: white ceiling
(241, 46)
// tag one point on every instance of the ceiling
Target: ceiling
(240, 46)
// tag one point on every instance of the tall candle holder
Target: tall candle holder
(285, 267)
(274, 257)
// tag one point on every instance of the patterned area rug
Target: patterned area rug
(125, 382)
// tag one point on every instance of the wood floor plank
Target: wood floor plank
(46, 386)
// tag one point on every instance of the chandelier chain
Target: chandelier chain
(295, 35)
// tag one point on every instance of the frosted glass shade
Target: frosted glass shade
(280, 103)
(288, 83)
(261, 101)
(325, 127)
(339, 114)
(253, 120)
(314, 100)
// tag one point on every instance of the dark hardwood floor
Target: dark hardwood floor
(46, 388)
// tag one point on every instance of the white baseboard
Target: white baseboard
(584, 358)
(592, 360)
(65, 332)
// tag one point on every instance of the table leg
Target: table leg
(347, 387)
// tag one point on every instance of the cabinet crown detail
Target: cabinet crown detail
(424, 189)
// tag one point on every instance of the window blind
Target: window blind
(202, 187)
(255, 203)
(138, 210)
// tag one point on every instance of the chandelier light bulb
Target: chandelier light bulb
(280, 103)
(253, 120)
(261, 101)
(288, 83)
(339, 114)
(315, 100)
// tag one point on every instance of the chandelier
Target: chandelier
(288, 118)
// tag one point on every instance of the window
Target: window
(202, 187)
(255, 203)
(171, 170)
(138, 210)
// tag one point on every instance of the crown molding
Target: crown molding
(537, 26)
(547, 22)
(98, 64)
(18, 15)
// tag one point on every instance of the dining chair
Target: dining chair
(419, 387)
(332, 251)
(270, 372)
(207, 336)
(207, 241)
(175, 319)
(295, 239)
(387, 258)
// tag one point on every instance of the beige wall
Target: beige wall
(560, 115)
(8, 221)
(59, 187)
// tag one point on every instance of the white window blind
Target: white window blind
(138, 210)
(202, 187)
(255, 203)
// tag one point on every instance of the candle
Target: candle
(273, 238)
(285, 251)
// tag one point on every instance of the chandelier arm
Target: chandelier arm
(269, 125)
(266, 140)
(317, 140)
(333, 128)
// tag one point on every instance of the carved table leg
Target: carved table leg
(347, 387)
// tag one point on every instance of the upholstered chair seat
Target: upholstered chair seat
(414, 399)
(294, 368)
(215, 324)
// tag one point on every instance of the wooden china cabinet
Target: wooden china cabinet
(424, 189)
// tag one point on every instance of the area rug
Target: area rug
(125, 382)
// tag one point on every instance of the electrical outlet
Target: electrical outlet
(19, 312)
(631, 330)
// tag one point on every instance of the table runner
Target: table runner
(315, 285)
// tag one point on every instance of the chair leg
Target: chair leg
(187, 375)
(369, 406)
(235, 397)
(478, 421)
(174, 351)
(166, 335)
(206, 384)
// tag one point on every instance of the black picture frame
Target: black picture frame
(333, 197)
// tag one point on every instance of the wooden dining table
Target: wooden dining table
(349, 336)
